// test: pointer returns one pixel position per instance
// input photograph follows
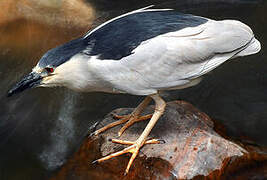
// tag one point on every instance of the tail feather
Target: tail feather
(252, 48)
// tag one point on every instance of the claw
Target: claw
(91, 134)
(95, 162)
(93, 128)
(161, 141)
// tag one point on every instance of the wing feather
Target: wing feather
(118, 37)
(174, 59)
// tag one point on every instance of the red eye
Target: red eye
(49, 69)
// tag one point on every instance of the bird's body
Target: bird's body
(141, 53)
(147, 51)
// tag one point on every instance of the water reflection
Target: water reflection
(42, 127)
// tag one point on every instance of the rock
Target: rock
(192, 149)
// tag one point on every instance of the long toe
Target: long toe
(133, 120)
(113, 124)
(150, 141)
(116, 116)
(129, 119)
(125, 118)
(134, 149)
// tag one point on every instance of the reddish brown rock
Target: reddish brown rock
(193, 150)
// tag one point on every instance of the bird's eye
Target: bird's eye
(49, 69)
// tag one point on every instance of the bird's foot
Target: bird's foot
(133, 148)
(129, 119)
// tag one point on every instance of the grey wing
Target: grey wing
(175, 59)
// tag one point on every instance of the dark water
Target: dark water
(40, 128)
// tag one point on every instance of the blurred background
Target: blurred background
(41, 128)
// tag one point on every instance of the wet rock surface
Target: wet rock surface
(192, 150)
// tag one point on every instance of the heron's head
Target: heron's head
(52, 69)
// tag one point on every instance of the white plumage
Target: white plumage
(173, 60)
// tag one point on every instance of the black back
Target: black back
(120, 37)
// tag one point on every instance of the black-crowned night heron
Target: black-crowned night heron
(141, 53)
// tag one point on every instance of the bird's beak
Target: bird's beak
(29, 81)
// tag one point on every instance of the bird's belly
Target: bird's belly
(191, 83)
(125, 80)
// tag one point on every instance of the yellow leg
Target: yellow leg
(132, 118)
(135, 146)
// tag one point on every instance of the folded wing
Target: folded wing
(175, 59)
